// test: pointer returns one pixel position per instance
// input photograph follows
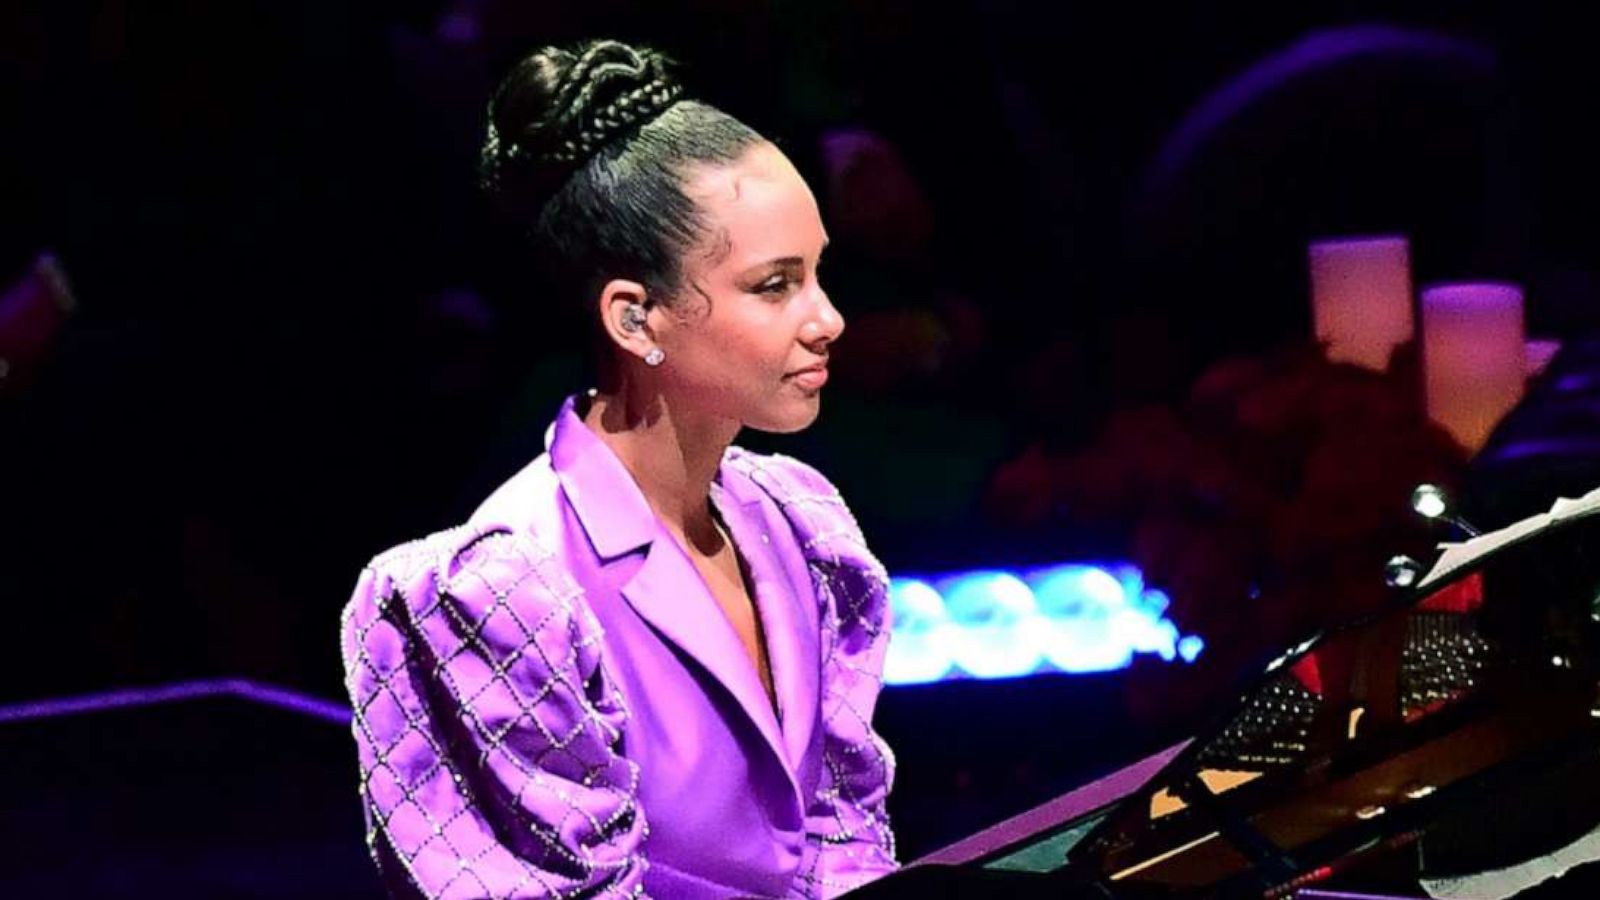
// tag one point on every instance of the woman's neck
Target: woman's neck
(671, 453)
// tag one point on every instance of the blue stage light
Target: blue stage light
(1073, 617)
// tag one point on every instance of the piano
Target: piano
(1448, 745)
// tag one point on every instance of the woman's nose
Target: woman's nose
(827, 324)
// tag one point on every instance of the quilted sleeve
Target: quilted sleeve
(487, 732)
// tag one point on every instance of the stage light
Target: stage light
(920, 646)
(990, 623)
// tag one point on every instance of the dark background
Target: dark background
(300, 337)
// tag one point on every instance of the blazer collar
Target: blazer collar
(601, 490)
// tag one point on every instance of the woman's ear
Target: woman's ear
(627, 316)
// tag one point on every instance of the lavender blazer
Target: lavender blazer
(550, 703)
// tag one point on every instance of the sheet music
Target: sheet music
(1457, 555)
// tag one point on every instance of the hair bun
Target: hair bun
(559, 106)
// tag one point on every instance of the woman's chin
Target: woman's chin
(788, 417)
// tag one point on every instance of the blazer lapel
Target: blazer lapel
(670, 594)
(827, 557)
(787, 604)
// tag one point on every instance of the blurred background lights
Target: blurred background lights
(921, 635)
(1190, 647)
(1073, 617)
(993, 617)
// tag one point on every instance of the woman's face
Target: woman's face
(748, 339)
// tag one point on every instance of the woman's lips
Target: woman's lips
(810, 379)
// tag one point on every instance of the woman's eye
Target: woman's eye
(773, 286)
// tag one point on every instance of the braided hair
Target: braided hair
(588, 148)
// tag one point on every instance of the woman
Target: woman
(647, 664)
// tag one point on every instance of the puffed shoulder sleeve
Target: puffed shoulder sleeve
(487, 732)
